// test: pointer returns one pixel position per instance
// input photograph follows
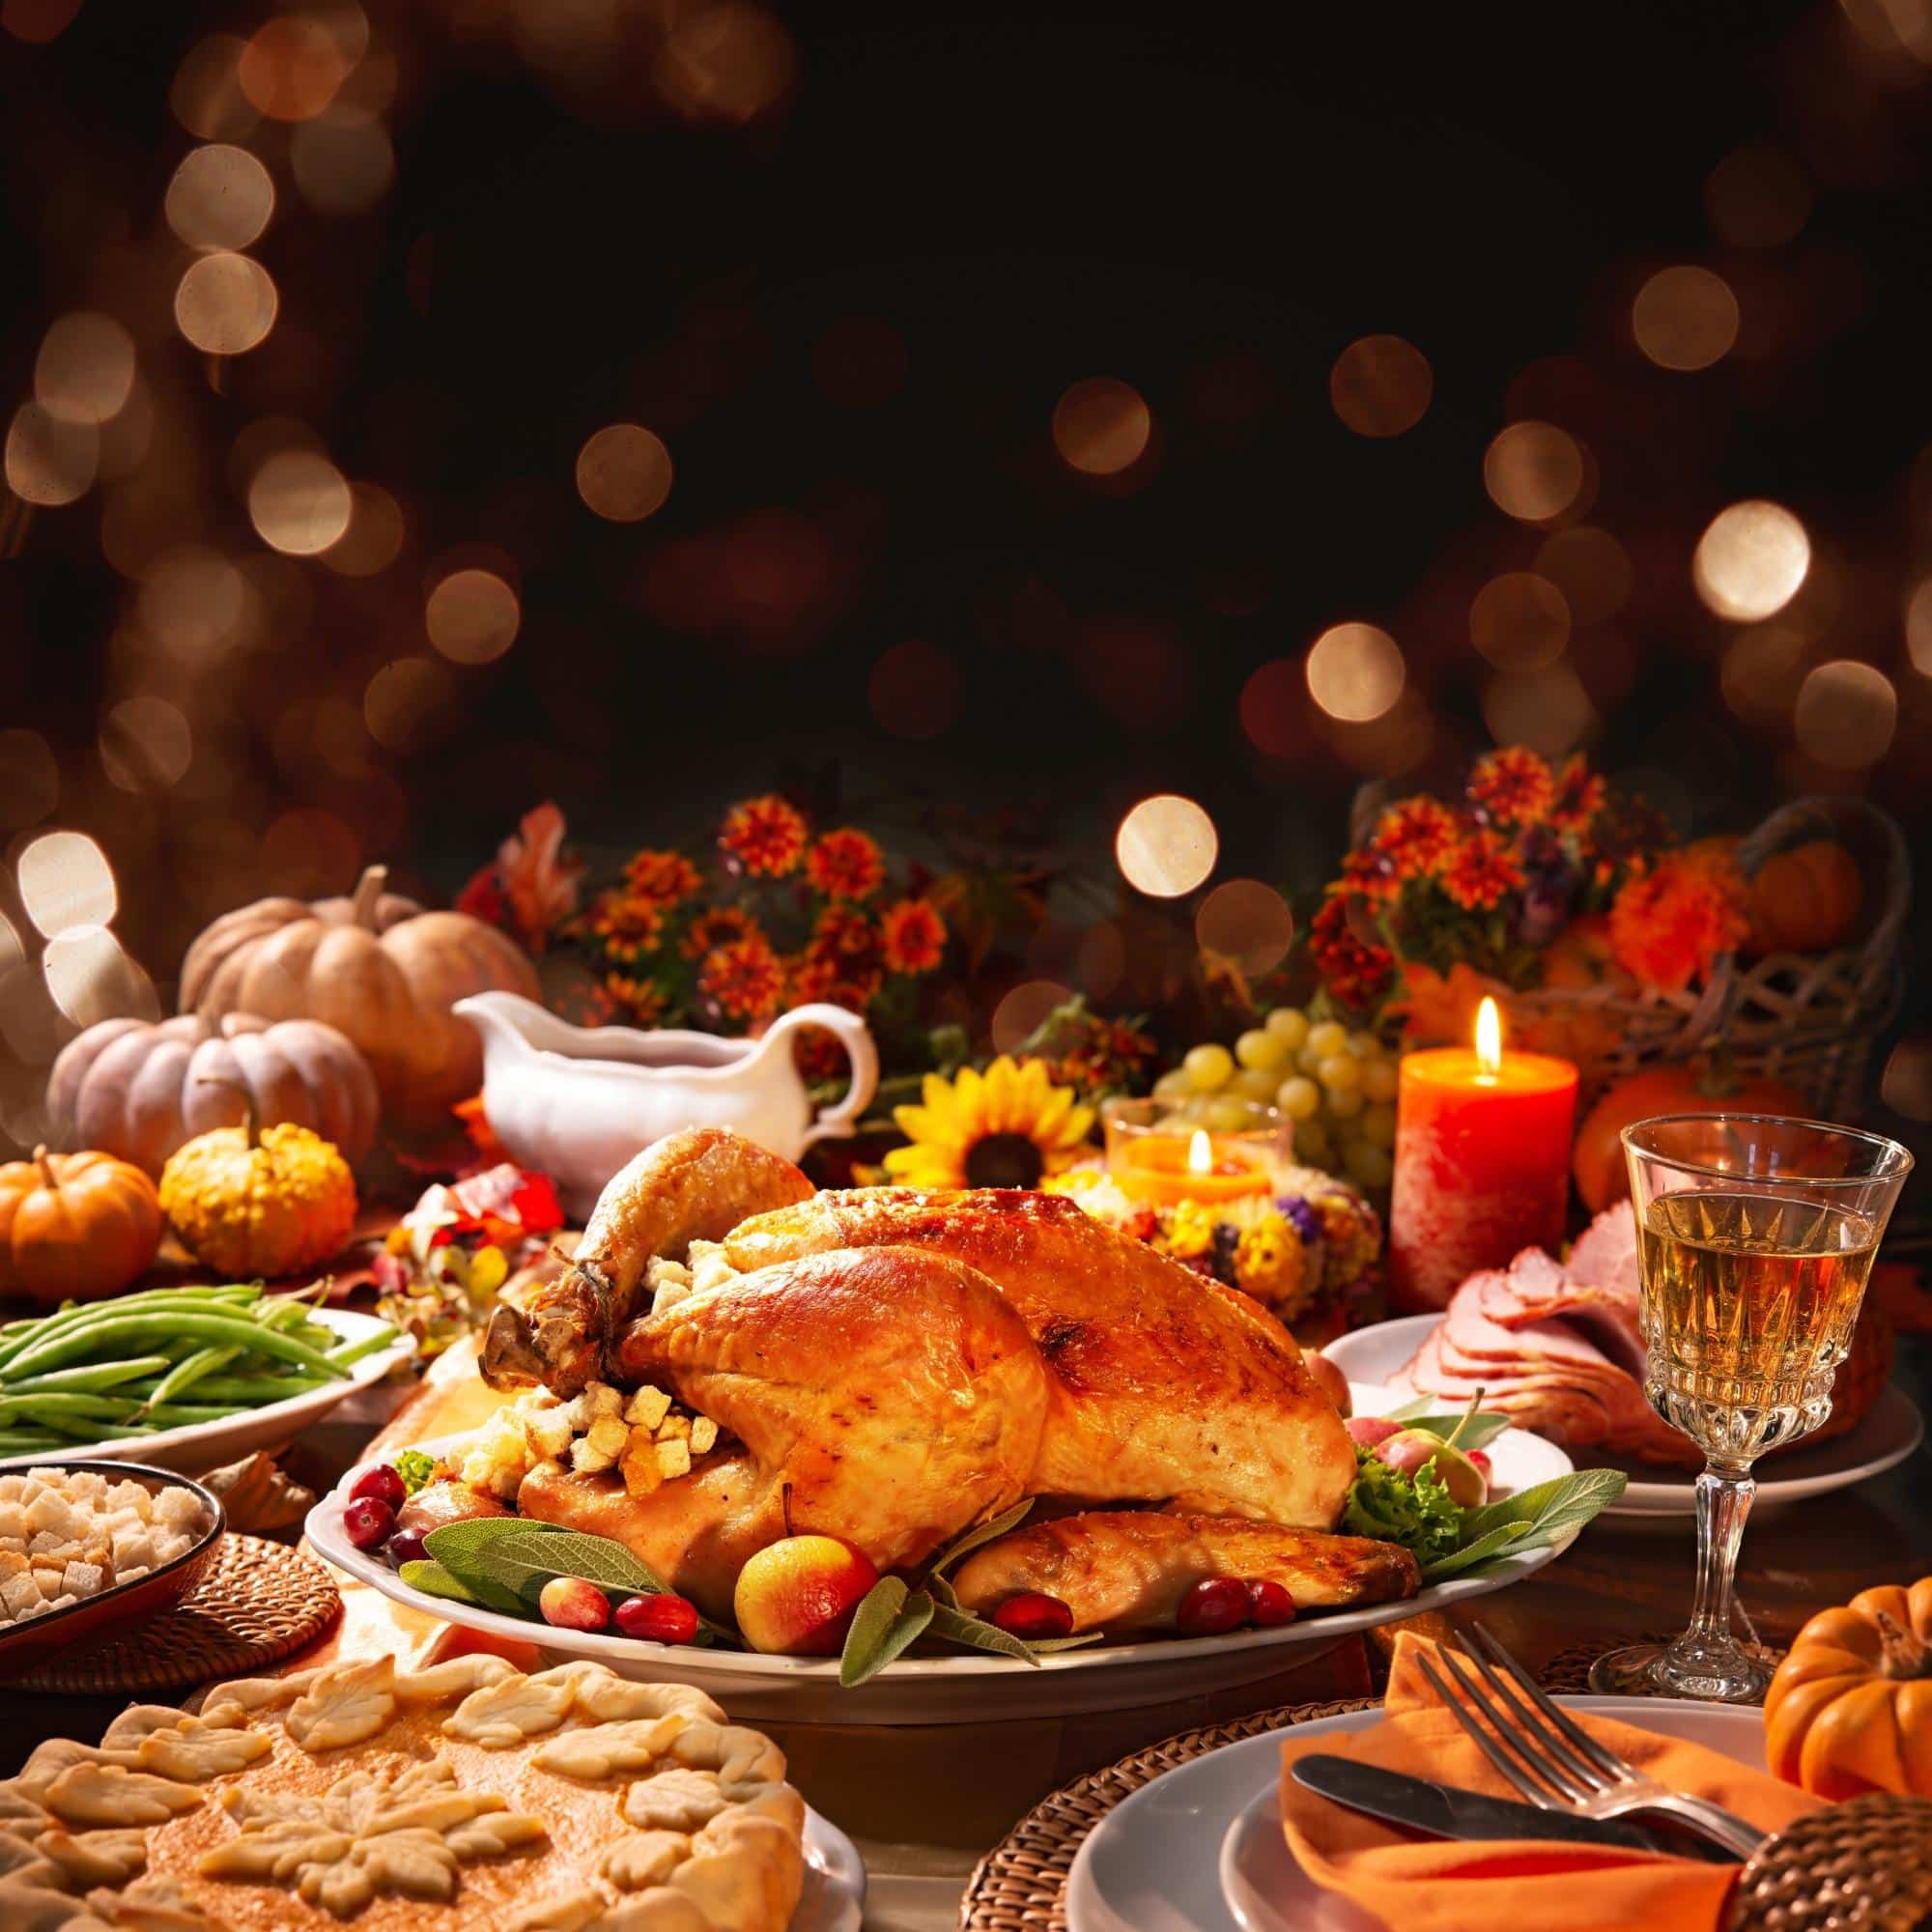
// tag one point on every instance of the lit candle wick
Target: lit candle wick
(1488, 1042)
(1199, 1153)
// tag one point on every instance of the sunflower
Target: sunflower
(1008, 1127)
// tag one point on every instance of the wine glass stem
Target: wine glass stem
(1725, 1494)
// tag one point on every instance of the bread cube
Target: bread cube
(647, 1407)
(12, 1523)
(128, 1575)
(588, 1459)
(180, 1509)
(132, 1547)
(12, 1488)
(703, 1436)
(18, 1592)
(128, 1495)
(49, 1512)
(674, 1427)
(605, 1400)
(83, 1579)
(547, 1434)
(673, 1459)
(49, 1543)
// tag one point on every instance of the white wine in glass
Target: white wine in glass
(1755, 1238)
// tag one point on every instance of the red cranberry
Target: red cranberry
(1214, 1607)
(367, 1522)
(1033, 1615)
(574, 1602)
(407, 1546)
(382, 1483)
(1269, 1606)
(657, 1619)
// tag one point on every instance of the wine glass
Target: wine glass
(1755, 1237)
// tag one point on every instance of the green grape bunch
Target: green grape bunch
(1337, 1087)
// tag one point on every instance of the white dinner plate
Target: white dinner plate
(199, 1446)
(1888, 1434)
(1201, 1848)
(967, 1688)
(834, 1898)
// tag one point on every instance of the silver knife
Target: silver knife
(1448, 1812)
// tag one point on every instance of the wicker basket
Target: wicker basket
(1809, 1021)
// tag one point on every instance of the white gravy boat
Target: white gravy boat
(578, 1101)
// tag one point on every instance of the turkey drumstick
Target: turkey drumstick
(696, 1185)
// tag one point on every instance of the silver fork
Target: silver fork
(1556, 1764)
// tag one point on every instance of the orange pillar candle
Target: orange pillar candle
(1482, 1162)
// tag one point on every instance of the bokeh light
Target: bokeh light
(1906, 1087)
(1534, 471)
(50, 462)
(1520, 621)
(375, 536)
(1846, 713)
(1919, 627)
(1100, 427)
(29, 779)
(342, 164)
(728, 62)
(293, 67)
(207, 96)
(37, 21)
(1590, 567)
(221, 197)
(92, 978)
(1166, 846)
(1380, 386)
(1271, 706)
(1751, 561)
(1762, 668)
(1022, 1010)
(623, 472)
(916, 690)
(1248, 922)
(66, 881)
(1685, 318)
(1757, 197)
(226, 305)
(1547, 709)
(146, 744)
(299, 502)
(85, 370)
(194, 602)
(472, 617)
(1354, 672)
(407, 703)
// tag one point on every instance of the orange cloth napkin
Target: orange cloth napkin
(1441, 1884)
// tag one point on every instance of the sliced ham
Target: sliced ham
(1535, 1290)
(1604, 1253)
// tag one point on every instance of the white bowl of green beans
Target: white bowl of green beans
(185, 1379)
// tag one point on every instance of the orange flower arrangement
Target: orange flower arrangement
(1478, 871)
(913, 937)
(764, 836)
(1671, 925)
(660, 878)
(846, 864)
(744, 980)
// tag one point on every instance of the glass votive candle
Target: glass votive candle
(1218, 1148)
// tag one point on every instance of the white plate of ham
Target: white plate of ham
(1557, 1346)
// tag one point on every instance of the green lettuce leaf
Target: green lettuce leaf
(1415, 1511)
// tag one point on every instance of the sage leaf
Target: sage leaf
(984, 1532)
(1504, 1540)
(1479, 1431)
(433, 1579)
(888, 1619)
(1551, 1509)
(1046, 1645)
(963, 1628)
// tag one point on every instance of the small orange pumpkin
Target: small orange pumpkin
(1850, 1708)
(75, 1227)
(1691, 1086)
(1806, 900)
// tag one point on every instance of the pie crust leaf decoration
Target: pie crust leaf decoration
(675, 1801)
(195, 1752)
(344, 1706)
(147, 1905)
(108, 1794)
(506, 1714)
(94, 1858)
(453, 1678)
(642, 1858)
(598, 1751)
(612, 1700)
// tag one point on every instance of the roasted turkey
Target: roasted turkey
(891, 1367)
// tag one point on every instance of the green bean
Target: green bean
(109, 1408)
(178, 1415)
(191, 1370)
(26, 1443)
(136, 1330)
(252, 1391)
(86, 1379)
(345, 1352)
(89, 1316)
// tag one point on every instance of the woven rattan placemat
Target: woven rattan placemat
(258, 1602)
(1019, 1884)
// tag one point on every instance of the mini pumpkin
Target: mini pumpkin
(75, 1227)
(1806, 900)
(251, 1201)
(1850, 1708)
(140, 1090)
(378, 968)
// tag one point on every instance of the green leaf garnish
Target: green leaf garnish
(428, 1576)
(415, 1467)
(1415, 1511)
(970, 1540)
(963, 1627)
(890, 1618)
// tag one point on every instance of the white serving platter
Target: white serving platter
(968, 1688)
(198, 1447)
(1201, 1848)
(1891, 1431)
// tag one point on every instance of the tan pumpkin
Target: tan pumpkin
(1850, 1708)
(75, 1227)
(375, 967)
(250, 1201)
(140, 1090)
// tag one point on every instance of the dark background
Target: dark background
(848, 299)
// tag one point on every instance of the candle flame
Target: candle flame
(1201, 1153)
(1488, 1039)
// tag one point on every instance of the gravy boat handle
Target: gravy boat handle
(837, 1123)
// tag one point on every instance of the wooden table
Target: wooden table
(924, 1803)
